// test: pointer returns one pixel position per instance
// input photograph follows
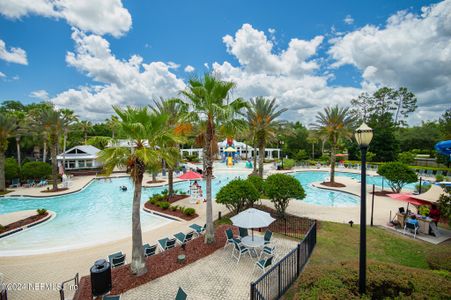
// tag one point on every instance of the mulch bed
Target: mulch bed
(158, 265)
(155, 181)
(333, 184)
(23, 222)
(175, 213)
(52, 191)
(175, 198)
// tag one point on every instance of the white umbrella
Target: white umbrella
(252, 218)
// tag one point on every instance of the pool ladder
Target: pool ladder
(76, 281)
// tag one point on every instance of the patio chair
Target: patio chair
(230, 238)
(243, 232)
(116, 259)
(149, 250)
(43, 182)
(30, 183)
(268, 236)
(15, 183)
(181, 295)
(166, 244)
(240, 249)
(411, 227)
(267, 250)
(198, 229)
(430, 173)
(183, 238)
(422, 172)
(263, 263)
(112, 297)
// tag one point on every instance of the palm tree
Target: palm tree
(209, 97)
(69, 119)
(311, 139)
(113, 125)
(146, 131)
(333, 124)
(8, 127)
(85, 127)
(261, 116)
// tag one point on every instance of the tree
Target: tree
(237, 195)
(406, 157)
(257, 182)
(397, 175)
(146, 131)
(445, 124)
(36, 170)
(422, 137)
(209, 97)
(8, 127)
(312, 140)
(12, 169)
(280, 188)
(384, 143)
(85, 127)
(69, 118)
(261, 115)
(334, 124)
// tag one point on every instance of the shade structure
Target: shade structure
(432, 195)
(230, 149)
(408, 198)
(190, 175)
(252, 218)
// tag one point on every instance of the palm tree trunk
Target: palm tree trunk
(86, 137)
(2, 172)
(44, 152)
(54, 164)
(255, 159)
(261, 158)
(154, 176)
(64, 150)
(170, 182)
(18, 150)
(332, 163)
(210, 232)
(138, 264)
(313, 151)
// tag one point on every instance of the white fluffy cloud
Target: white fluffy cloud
(289, 76)
(97, 16)
(2, 75)
(120, 82)
(411, 50)
(348, 20)
(189, 69)
(40, 94)
(13, 55)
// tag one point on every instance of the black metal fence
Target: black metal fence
(277, 280)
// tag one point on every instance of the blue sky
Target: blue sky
(191, 33)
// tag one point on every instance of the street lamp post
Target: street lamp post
(281, 152)
(363, 136)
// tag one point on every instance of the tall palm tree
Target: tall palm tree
(146, 131)
(311, 139)
(261, 115)
(178, 115)
(333, 124)
(8, 127)
(69, 118)
(85, 127)
(210, 99)
(113, 125)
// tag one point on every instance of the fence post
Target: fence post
(285, 225)
(298, 251)
(252, 290)
(278, 275)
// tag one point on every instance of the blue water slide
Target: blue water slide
(444, 147)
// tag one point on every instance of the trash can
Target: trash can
(100, 278)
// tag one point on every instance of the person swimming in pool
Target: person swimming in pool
(123, 188)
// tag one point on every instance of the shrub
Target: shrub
(439, 178)
(36, 169)
(41, 211)
(397, 175)
(280, 188)
(189, 211)
(301, 155)
(173, 207)
(444, 203)
(324, 158)
(164, 204)
(238, 194)
(257, 182)
(288, 163)
(406, 157)
(11, 169)
(424, 188)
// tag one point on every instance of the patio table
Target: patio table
(257, 242)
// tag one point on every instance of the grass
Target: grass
(337, 253)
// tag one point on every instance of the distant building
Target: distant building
(80, 157)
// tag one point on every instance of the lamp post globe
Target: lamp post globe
(363, 136)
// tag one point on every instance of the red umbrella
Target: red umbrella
(190, 175)
(408, 198)
(340, 155)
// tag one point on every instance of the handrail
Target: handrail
(76, 281)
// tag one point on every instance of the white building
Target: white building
(80, 157)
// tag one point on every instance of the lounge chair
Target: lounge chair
(166, 244)
(230, 238)
(267, 237)
(149, 250)
(116, 259)
(430, 173)
(411, 227)
(240, 249)
(197, 228)
(181, 295)
(183, 238)
(15, 183)
(43, 182)
(30, 183)
(243, 232)
(112, 297)
(267, 250)
(264, 263)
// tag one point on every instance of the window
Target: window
(81, 163)
(70, 164)
(89, 164)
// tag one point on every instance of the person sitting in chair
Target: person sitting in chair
(413, 220)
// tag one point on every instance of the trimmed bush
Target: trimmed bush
(406, 157)
(41, 211)
(237, 195)
(397, 175)
(12, 169)
(36, 170)
(164, 204)
(173, 207)
(280, 188)
(288, 164)
(439, 178)
(257, 182)
(189, 211)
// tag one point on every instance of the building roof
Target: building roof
(80, 152)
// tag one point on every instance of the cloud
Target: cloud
(348, 20)
(2, 75)
(411, 50)
(118, 82)
(40, 94)
(99, 16)
(13, 55)
(207, 66)
(291, 76)
(189, 69)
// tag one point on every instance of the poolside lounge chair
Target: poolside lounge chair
(264, 263)
(243, 232)
(197, 228)
(149, 250)
(267, 250)
(181, 295)
(166, 244)
(230, 238)
(183, 238)
(116, 259)
(43, 182)
(112, 297)
(267, 237)
(430, 173)
(15, 183)
(411, 227)
(240, 249)
(30, 183)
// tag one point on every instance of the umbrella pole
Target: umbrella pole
(252, 234)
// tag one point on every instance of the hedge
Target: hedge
(36, 170)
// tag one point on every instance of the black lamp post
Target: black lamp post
(281, 152)
(363, 136)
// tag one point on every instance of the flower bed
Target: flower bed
(23, 222)
(175, 213)
(158, 265)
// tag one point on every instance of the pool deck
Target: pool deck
(53, 269)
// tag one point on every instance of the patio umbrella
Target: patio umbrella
(252, 218)
(190, 175)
